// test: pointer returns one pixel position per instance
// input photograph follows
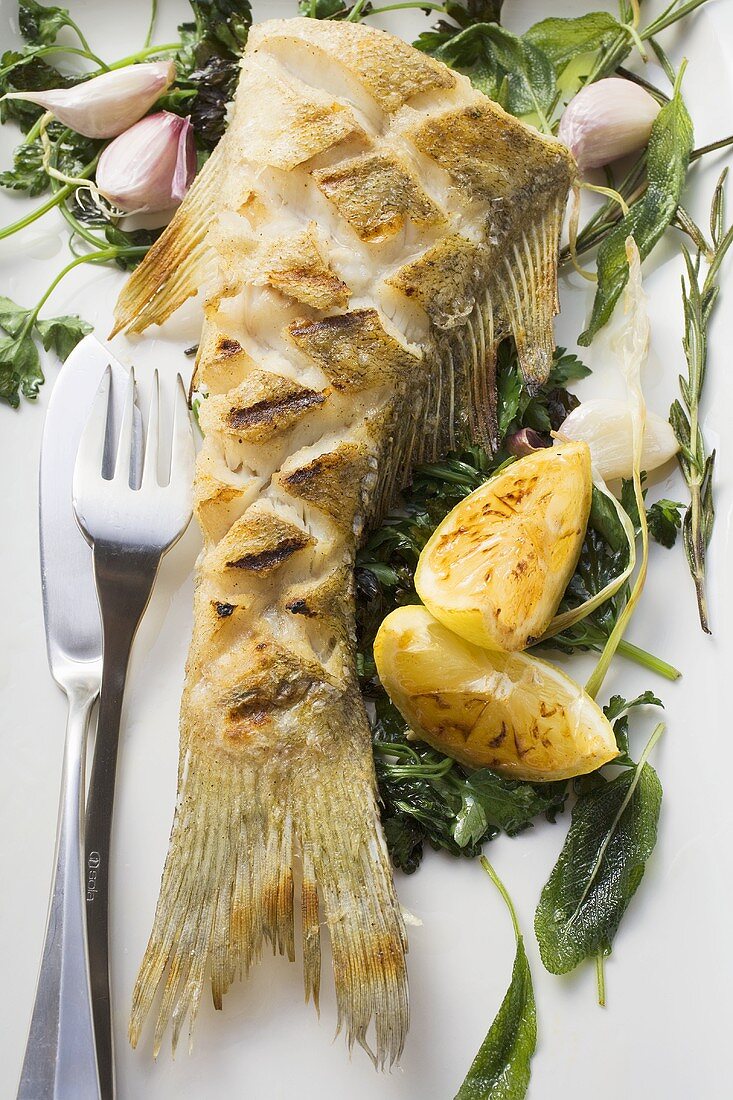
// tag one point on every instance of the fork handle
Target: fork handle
(124, 583)
(60, 1061)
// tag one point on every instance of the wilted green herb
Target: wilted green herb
(699, 296)
(427, 796)
(501, 1069)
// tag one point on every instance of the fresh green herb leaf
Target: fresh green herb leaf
(664, 521)
(20, 367)
(492, 57)
(62, 334)
(22, 71)
(617, 712)
(562, 40)
(612, 834)
(20, 364)
(27, 173)
(663, 518)
(13, 318)
(41, 24)
(501, 1069)
(668, 156)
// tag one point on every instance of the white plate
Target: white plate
(665, 1031)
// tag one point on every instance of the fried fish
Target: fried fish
(366, 232)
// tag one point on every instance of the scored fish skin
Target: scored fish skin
(365, 233)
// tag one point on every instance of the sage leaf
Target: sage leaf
(562, 40)
(668, 156)
(503, 65)
(612, 834)
(501, 1069)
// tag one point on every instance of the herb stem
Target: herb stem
(151, 24)
(399, 7)
(58, 197)
(149, 51)
(668, 17)
(722, 143)
(43, 51)
(102, 256)
(647, 660)
(82, 38)
(601, 979)
(504, 893)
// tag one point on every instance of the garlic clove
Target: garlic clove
(108, 104)
(606, 426)
(525, 442)
(607, 120)
(151, 166)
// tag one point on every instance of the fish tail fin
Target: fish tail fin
(228, 887)
(171, 271)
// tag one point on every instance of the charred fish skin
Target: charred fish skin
(363, 245)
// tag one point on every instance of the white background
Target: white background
(666, 1030)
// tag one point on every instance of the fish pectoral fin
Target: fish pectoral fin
(173, 268)
(527, 291)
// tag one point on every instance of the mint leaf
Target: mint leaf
(501, 1069)
(62, 334)
(668, 157)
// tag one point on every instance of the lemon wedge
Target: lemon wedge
(496, 568)
(510, 712)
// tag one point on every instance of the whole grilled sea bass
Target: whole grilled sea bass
(366, 232)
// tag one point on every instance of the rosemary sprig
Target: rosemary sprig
(699, 295)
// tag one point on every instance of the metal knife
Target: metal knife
(60, 1060)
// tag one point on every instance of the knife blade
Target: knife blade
(60, 1060)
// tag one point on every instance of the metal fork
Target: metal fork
(129, 530)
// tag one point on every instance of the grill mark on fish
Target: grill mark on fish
(265, 560)
(268, 411)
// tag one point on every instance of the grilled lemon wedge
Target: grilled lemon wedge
(509, 712)
(495, 569)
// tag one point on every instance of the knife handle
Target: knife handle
(60, 1059)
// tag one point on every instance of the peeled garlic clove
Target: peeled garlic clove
(606, 426)
(149, 167)
(108, 104)
(607, 120)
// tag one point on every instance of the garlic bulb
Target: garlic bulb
(606, 426)
(107, 104)
(149, 167)
(607, 120)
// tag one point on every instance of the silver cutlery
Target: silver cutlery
(129, 528)
(60, 1062)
